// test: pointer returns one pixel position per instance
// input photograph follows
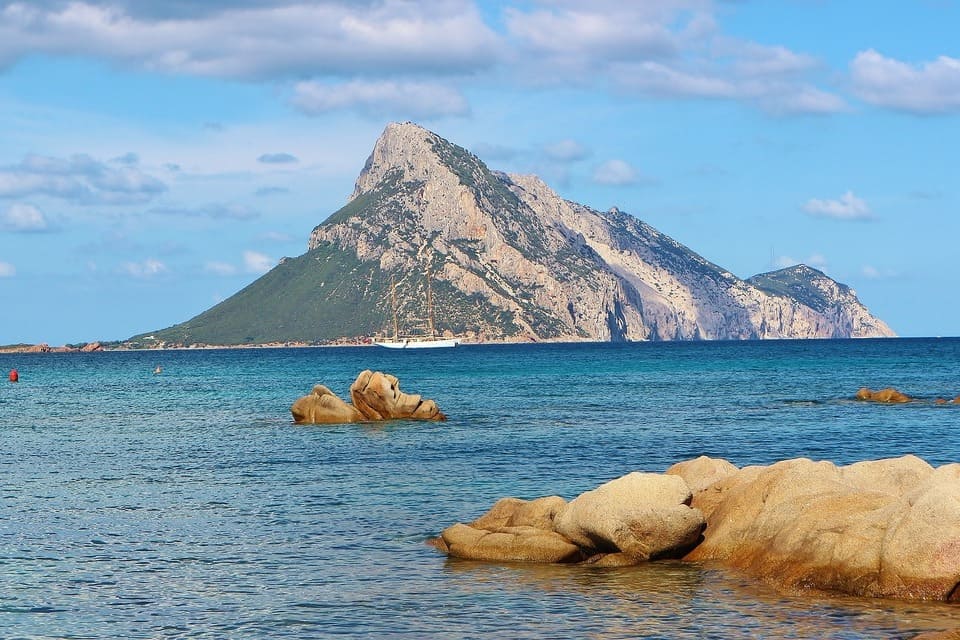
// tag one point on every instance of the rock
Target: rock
(888, 528)
(702, 472)
(378, 397)
(92, 346)
(375, 395)
(948, 634)
(322, 406)
(643, 515)
(886, 396)
(511, 544)
(514, 512)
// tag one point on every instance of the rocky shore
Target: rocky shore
(885, 528)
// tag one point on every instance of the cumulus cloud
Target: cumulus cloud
(7, 270)
(278, 158)
(927, 88)
(25, 218)
(270, 191)
(79, 178)
(846, 207)
(873, 273)
(215, 211)
(146, 269)
(666, 49)
(617, 173)
(255, 40)
(220, 268)
(566, 151)
(380, 98)
(256, 262)
(276, 236)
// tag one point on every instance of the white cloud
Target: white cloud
(7, 270)
(215, 211)
(220, 268)
(278, 158)
(874, 273)
(256, 262)
(380, 98)
(616, 172)
(928, 88)
(276, 236)
(79, 178)
(816, 260)
(299, 38)
(24, 218)
(148, 268)
(566, 151)
(846, 207)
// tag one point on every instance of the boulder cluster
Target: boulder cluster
(885, 528)
(375, 396)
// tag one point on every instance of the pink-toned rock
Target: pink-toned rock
(702, 472)
(509, 544)
(514, 512)
(642, 515)
(888, 528)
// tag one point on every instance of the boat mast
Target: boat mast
(393, 295)
(433, 331)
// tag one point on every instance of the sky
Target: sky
(158, 156)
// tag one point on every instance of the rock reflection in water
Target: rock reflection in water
(680, 600)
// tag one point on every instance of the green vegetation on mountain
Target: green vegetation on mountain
(797, 282)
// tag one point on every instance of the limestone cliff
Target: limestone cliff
(505, 257)
(558, 269)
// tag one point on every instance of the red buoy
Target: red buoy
(14, 376)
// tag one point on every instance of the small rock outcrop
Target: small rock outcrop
(375, 396)
(885, 396)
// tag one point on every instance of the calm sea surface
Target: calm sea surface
(187, 504)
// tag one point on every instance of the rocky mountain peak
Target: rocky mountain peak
(507, 258)
(404, 148)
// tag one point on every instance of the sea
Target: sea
(187, 504)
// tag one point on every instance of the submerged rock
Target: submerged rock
(886, 396)
(375, 395)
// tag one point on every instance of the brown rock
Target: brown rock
(514, 512)
(322, 406)
(643, 515)
(375, 395)
(889, 528)
(92, 346)
(886, 396)
(509, 544)
(378, 397)
(702, 472)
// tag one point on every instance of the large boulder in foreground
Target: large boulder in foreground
(375, 395)
(641, 516)
(886, 528)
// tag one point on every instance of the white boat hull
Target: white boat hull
(414, 343)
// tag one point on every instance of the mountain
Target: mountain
(508, 259)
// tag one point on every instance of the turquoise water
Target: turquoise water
(187, 504)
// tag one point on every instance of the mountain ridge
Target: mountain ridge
(509, 259)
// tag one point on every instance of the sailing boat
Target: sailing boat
(429, 341)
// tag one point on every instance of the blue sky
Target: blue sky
(159, 156)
